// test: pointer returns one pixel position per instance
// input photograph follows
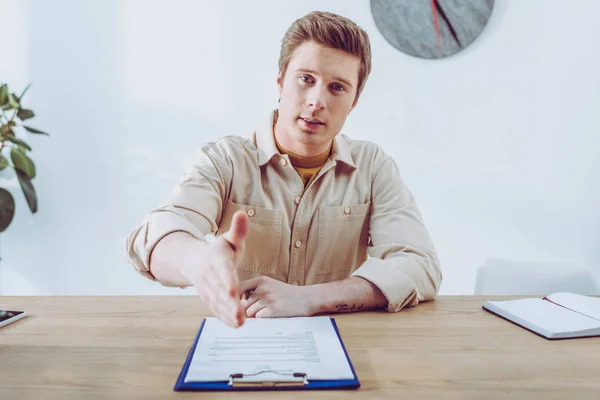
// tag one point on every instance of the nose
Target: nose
(316, 98)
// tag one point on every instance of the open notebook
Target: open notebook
(557, 316)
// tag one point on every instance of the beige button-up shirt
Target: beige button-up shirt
(356, 218)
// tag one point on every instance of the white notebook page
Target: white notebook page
(586, 305)
(548, 316)
(308, 345)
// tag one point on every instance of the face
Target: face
(317, 94)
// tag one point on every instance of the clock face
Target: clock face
(431, 28)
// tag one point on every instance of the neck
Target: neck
(304, 161)
(299, 149)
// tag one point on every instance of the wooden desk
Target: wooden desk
(134, 348)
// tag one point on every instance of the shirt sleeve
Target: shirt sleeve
(195, 206)
(403, 262)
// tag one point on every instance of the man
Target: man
(297, 208)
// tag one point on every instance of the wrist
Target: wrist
(351, 294)
(319, 298)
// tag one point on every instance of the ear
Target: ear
(279, 83)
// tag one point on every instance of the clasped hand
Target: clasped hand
(268, 297)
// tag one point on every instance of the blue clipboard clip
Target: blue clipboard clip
(250, 380)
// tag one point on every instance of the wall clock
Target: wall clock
(431, 28)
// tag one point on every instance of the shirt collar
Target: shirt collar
(341, 151)
(265, 142)
(267, 149)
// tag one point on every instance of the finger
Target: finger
(227, 279)
(220, 289)
(219, 282)
(213, 286)
(220, 304)
(247, 302)
(224, 308)
(265, 312)
(228, 304)
(255, 308)
(240, 224)
(207, 293)
(229, 314)
(250, 284)
(226, 316)
(201, 291)
(228, 320)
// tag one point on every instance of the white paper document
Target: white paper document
(281, 346)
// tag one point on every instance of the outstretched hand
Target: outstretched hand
(214, 275)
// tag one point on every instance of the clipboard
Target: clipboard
(296, 380)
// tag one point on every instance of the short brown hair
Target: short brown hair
(330, 30)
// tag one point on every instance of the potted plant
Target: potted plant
(14, 152)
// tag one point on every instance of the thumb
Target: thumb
(238, 230)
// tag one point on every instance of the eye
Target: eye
(306, 78)
(338, 87)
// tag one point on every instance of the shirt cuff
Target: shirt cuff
(389, 278)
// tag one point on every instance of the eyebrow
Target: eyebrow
(310, 71)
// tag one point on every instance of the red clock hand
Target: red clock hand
(435, 22)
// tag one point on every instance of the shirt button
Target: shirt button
(298, 243)
(297, 200)
(347, 210)
(251, 212)
(282, 161)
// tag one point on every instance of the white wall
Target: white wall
(500, 144)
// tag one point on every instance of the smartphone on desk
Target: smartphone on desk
(7, 316)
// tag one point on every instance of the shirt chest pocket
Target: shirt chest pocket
(263, 243)
(342, 239)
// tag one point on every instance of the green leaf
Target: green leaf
(12, 102)
(28, 191)
(6, 130)
(19, 142)
(22, 162)
(3, 162)
(33, 130)
(24, 114)
(3, 94)
(7, 209)
(24, 91)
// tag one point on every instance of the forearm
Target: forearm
(348, 295)
(169, 259)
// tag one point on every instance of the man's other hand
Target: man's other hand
(269, 297)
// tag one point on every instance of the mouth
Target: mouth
(312, 121)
